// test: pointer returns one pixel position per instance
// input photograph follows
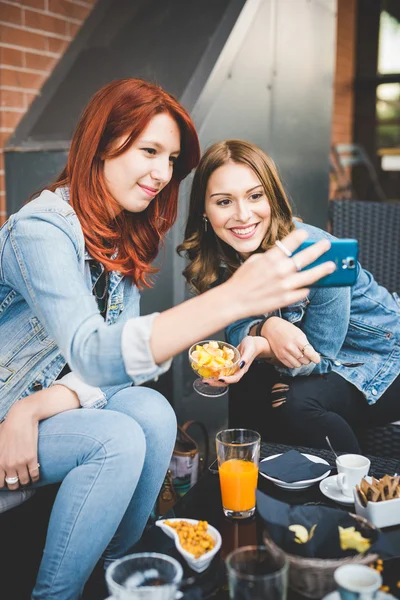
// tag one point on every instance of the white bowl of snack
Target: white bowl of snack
(378, 500)
(199, 546)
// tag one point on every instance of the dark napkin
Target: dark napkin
(293, 466)
(325, 541)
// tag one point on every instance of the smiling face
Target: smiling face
(135, 177)
(237, 207)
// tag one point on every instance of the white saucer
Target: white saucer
(330, 489)
(297, 485)
(381, 596)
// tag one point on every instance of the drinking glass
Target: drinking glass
(254, 574)
(213, 364)
(238, 454)
(144, 576)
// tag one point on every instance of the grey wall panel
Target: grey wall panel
(302, 102)
(276, 90)
(29, 172)
(236, 102)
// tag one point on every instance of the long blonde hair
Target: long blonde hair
(209, 257)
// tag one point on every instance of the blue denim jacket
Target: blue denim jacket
(357, 324)
(49, 315)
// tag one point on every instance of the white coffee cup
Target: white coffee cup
(357, 582)
(351, 469)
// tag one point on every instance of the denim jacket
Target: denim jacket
(49, 315)
(357, 324)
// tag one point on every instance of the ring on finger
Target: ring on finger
(11, 480)
(35, 468)
(305, 346)
(300, 357)
(297, 263)
(282, 247)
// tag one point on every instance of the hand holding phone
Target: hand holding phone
(344, 253)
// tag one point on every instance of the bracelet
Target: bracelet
(260, 325)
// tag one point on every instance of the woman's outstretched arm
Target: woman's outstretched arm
(136, 349)
(262, 284)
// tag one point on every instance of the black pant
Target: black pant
(303, 410)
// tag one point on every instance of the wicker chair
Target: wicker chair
(376, 226)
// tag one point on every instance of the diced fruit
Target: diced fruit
(204, 359)
(206, 373)
(220, 360)
(212, 361)
(229, 353)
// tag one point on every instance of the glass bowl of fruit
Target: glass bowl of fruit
(212, 359)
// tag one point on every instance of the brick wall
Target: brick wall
(343, 100)
(34, 34)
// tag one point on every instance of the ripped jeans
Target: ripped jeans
(303, 410)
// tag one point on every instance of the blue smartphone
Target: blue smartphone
(344, 253)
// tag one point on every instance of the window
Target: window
(389, 43)
(388, 94)
(388, 115)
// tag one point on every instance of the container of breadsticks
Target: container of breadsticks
(378, 500)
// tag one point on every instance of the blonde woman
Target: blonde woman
(239, 210)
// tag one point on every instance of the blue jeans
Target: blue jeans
(111, 463)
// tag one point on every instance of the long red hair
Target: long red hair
(124, 108)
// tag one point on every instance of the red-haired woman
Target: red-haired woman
(72, 262)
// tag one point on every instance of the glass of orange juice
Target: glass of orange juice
(238, 454)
